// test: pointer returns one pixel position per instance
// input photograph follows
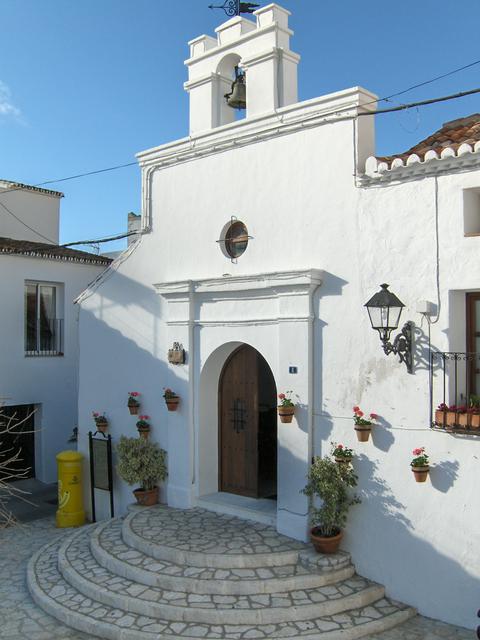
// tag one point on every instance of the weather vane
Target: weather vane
(235, 7)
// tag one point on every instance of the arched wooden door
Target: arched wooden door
(248, 426)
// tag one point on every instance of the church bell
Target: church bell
(237, 98)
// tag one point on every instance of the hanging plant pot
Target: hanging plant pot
(146, 498)
(421, 473)
(143, 432)
(134, 409)
(172, 403)
(101, 425)
(324, 544)
(286, 413)
(363, 432)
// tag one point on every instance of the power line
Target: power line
(101, 240)
(421, 103)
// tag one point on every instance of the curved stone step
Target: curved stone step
(81, 570)
(110, 551)
(58, 598)
(200, 538)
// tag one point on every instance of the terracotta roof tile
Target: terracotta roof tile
(452, 134)
(19, 186)
(49, 251)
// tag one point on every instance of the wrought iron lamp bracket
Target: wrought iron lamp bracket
(235, 7)
(402, 345)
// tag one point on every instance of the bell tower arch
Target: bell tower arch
(261, 49)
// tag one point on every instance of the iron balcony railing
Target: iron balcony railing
(455, 391)
(47, 340)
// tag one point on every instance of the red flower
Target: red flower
(281, 396)
(339, 446)
(359, 413)
(373, 416)
(356, 409)
(144, 417)
(418, 452)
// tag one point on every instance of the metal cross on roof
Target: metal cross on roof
(235, 7)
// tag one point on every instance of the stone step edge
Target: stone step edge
(202, 560)
(213, 616)
(210, 587)
(109, 631)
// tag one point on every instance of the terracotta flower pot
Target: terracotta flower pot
(463, 420)
(286, 413)
(133, 408)
(421, 473)
(143, 432)
(101, 426)
(146, 498)
(440, 418)
(450, 419)
(363, 432)
(475, 421)
(323, 544)
(172, 403)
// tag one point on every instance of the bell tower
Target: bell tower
(260, 49)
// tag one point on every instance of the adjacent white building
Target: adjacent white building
(262, 239)
(39, 324)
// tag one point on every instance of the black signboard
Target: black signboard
(101, 476)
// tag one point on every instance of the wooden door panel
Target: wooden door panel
(239, 424)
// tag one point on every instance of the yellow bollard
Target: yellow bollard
(70, 511)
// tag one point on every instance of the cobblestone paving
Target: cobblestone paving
(80, 558)
(110, 541)
(20, 619)
(197, 530)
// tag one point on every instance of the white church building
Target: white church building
(262, 240)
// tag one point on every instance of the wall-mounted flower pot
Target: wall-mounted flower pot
(172, 403)
(143, 432)
(323, 544)
(146, 498)
(286, 413)
(101, 426)
(363, 432)
(421, 473)
(134, 409)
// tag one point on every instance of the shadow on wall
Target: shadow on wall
(386, 547)
(122, 342)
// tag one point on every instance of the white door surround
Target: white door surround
(274, 314)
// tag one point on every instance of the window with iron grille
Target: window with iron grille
(43, 327)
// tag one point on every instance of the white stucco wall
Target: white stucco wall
(37, 209)
(296, 193)
(49, 382)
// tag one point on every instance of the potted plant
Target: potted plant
(363, 426)
(286, 408)
(101, 422)
(342, 454)
(171, 399)
(446, 416)
(420, 464)
(474, 411)
(133, 403)
(331, 483)
(463, 416)
(142, 462)
(143, 426)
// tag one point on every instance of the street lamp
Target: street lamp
(384, 310)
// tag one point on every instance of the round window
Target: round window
(236, 239)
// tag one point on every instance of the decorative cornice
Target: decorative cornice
(377, 171)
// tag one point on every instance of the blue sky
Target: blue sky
(85, 84)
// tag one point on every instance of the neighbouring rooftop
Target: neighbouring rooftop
(49, 251)
(8, 185)
(452, 134)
